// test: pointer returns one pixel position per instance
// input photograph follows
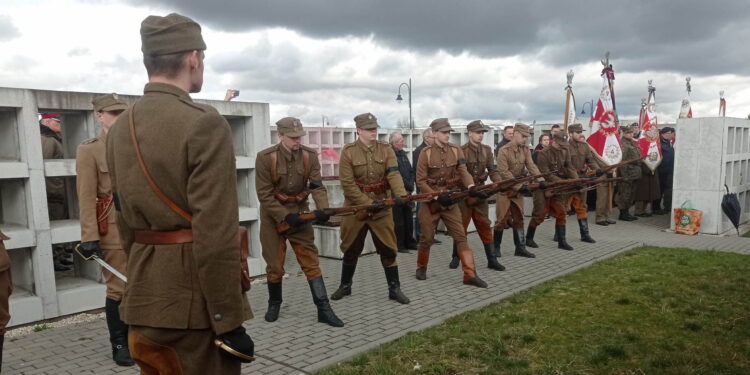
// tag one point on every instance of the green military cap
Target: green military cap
(627, 129)
(290, 127)
(366, 121)
(477, 126)
(575, 128)
(440, 125)
(521, 128)
(561, 137)
(107, 103)
(171, 34)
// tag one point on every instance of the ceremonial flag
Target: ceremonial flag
(722, 104)
(649, 141)
(685, 110)
(570, 103)
(605, 138)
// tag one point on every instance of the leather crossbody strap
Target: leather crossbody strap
(173, 206)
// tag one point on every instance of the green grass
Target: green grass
(746, 235)
(41, 327)
(648, 311)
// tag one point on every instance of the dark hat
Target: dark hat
(440, 125)
(171, 34)
(366, 121)
(53, 116)
(477, 126)
(521, 128)
(561, 138)
(109, 102)
(575, 128)
(627, 129)
(290, 127)
(666, 129)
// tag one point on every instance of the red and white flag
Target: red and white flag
(605, 138)
(685, 110)
(649, 141)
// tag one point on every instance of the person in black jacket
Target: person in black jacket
(507, 136)
(403, 217)
(427, 139)
(663, 205)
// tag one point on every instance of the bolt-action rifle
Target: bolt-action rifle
(585, 185)
(500, 186)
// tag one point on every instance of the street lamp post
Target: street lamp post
(399, 99)
(583, 107)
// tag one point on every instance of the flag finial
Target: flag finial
(721, 94)
(643, 102)
(570, 78)
(687, 84)
(605, 60)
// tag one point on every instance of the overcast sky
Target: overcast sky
(499, 61)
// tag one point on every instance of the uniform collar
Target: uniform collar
(442, 148)
(287, 154)
(365, 147)
(165, 88)
(474, 147)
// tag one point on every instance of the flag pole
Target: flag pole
(568, 97)
(609, 71)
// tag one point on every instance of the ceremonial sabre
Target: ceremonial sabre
(102, 263)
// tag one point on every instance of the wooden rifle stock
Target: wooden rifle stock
(500, 186)
(620, 164)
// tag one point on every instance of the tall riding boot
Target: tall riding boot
(274, 301)
(423, 257)
(345, 288)
(583, 224)
(492, 263)
(626, 216)
(521, 244)
(497, 237)
(2, 339)
(530, 237)
(118, 333)
(555, 238)
(470, 270)
(516, 241)
(320, 298)
(454, 258)
(561, 242)
(394, 285)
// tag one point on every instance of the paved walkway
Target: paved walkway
(297, 344)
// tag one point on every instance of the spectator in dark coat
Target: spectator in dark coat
(543, 142)
(507, 136)
(663, 205)
(403, 217)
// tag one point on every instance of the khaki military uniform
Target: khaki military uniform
(480, 165)
(92, 184)
(292, 179)
(6, 288)
(630, 174)
(513, 161)
(550, 159)
(179, 295)
(584, 162)
(52, 148)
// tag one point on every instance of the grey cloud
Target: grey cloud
(80, 51)
(8, 30)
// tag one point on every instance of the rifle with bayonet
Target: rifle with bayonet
(362, 211)
(500, 186)
(620, 164)
(577, 187)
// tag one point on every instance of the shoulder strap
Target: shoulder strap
(455, 152)
(173, 206)
(306, 164)
(428, 151)
(274, 163)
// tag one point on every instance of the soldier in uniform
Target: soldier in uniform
(556, 157)
(285, 175)
(442, 167)
(514, 161)
(481, 164)
(6, 288)
(50, 127)
(585, 163)
(184, 290)
(368, 171)
(630, 174)
(99, 233)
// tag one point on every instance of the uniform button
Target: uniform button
(218, 317)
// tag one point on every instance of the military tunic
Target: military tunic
(292, 180)
(584, 162)
(180, 295)
(369, 165)
(551, 159)
(630, 174)
(481, 164)
(52, 148)
(513, 161)
(6, 286)
(92, 183)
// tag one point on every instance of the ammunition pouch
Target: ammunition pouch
(379, 187)
(103, 208)
(443, 183)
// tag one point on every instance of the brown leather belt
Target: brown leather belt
(150, 237)
(443, 182)
(283, 198)
(379, 187)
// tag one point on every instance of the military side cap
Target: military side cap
(171, 34)
(477, 126)
(290, 127)
(109, 102)
(54, 116)
(366, 121)
(575, 128)
(521, 128)
(440, 125)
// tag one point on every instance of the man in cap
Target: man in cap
(184, 300)
(481, 164)
(556, 157)
(663, 205)
(403, 216)
(427, 140)
(442, 168)
(50, 127)
(630, 174)
(286, 174)
(514, 161)
(368, 171)
(6, 288)
(584, 162)
(99, 234)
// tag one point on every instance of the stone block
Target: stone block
(327, 240)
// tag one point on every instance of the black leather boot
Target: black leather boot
(583, 224)
(345, 288)
(2, 340)
(454, 260)
(561, 242)
(394, 285)
(320, 298)
(497, 240)
(530, 237)
(274, 301)
(492, 263)
(626, 216)
(521, 244)
(118, 333)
